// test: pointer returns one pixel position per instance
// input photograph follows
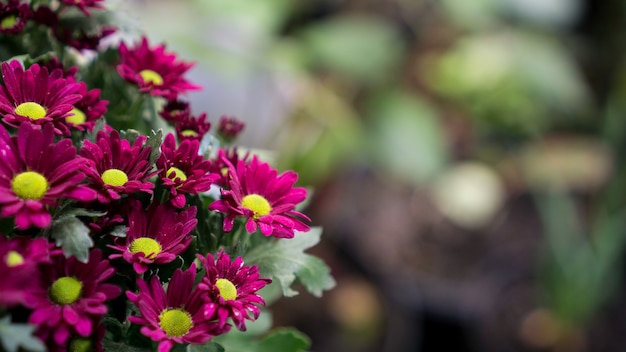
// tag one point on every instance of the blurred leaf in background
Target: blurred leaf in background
(365, 49)
(514, 84)
(405, 138)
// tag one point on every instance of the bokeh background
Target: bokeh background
(466, 157)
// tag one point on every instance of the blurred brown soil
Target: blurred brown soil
(428, 285)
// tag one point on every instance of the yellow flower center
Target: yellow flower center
(228, 291)
(29, 185)
(8, 22)
(31, 110)
(77, 117)
(81, 345)
(65, 290)
(179, 174)
(145, 245)
(13, 258)
(258, 204)
(150, 76)
(175, 322)
(189, 133)
(114, 177)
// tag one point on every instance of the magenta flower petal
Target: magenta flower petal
(156, 235)
(265, 199)
(38, 174)
(154, 70)
(19, 260)
(14, 16)
(85, 5)
(114, 167)
(229, 128)
(183, 171)
(175, 317)
(192, 127)
(36, 96)
(87, 110)
(70, 293)
(232, 287)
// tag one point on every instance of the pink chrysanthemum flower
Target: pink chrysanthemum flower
(115, 167)
(19, 260)
(154, 70)
(178, 316)
(13, 16)
(229, 128)
(87, 110)
(36, 97)
(156, 236)
(36, 173)
(266, 199)
(223, 160)
(54, 63)
(92, 343)
(232, 286)
(183, 171)
(175, 110)
(45, 16)
(191, 127)
(72, 297)
(85, 5)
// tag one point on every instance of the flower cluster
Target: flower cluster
(97, 208)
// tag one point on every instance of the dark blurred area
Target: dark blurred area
(466, 160)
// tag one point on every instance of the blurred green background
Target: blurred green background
(467, 159)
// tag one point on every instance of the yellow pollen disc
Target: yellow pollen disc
(175, 322)
(150, 76)
(14, 259)
(8, 22)
(189, 133)
(80, 345)
(179, 174)
(77, 117)
(65, 290)
(31, 110)
(228, 291)
(114, 177)
(258, 204)
(29, 185)
(149, 247)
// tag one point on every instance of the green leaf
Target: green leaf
(246, 341)
(278, 340)
(154, 141)
(118, 231)
(130, 135)
(14, 336)
(81, 212)
(579, 270)
(284, 260)
(284, 340)
(73, 236)
(93, 134)
(208, 347)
